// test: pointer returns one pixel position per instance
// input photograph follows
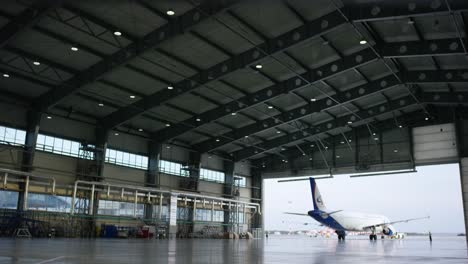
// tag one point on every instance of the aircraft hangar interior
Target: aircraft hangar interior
(160, 120)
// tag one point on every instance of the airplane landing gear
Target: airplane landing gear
(341, 235)
(373, 237)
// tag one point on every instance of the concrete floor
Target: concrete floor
(274, 250)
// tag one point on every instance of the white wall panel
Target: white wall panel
(435, 144)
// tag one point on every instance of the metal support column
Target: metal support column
(462, 143)
(152, 174)
(33, 119)
(228, 191)
(257, 185)
(194, 166)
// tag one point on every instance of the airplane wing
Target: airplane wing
(395, 222)
(296, 214)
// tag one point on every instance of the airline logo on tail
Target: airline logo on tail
(316, 197)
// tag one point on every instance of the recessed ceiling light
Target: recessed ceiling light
(427, 118)
(132, 96)
(312, 145)
(342, 142)
(74, 48)
(36, 63)
(395, 150)
(117, 33)
(400, 126)
(168, 125)
(101, 104)
(350, 122)
(6, 75)
(286, 161)
(140, 129)
(303, 154)
(363, 42)
(170, 12)
(246, 136)
(233, 113)
(313, 99)
(168, 147)
(49, 117)
(338, 156)
(278, 132)
(310, 158)
(170, 87)
(258, 66)
(373, 134)
(350, 140)
(283, 160)
(326, 147)
(270, 107)
(263, 166)
(217, 140)
(198, 119)
(116, 134)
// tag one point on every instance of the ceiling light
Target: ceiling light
(427, 118)
(132, 96)
(313, 99)
(168, 147)
(312, 145)
(350, 122)
(209, 157)
(6, 75)
(233, 113)
(258, 66)
(217, 140)
(338, 156)
(373, 134)
(350, 140)
(303, 154)
(400, 126)
(170, 87)
(376, 138)
(116, 134)
(49, 117)
(198, 119)
(326, 147)
(168, 125)
(170, 12)
(117, 33)
(246, 136)
(278, 132)
(363, 42)
(74, 48)
(270, 107)
(342, 142)
(140, 129)
(101, 104)
(310, 158)
(263, 165)
(395, 150)
(286, 161)
(36, 63)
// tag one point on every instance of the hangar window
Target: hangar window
(211, 175)
(12, 136)
(205, 215)
(60, 146)
(8, 199)
(120, 208)
(173, 168)
(55, 203)
(240, 181)
(126, 159)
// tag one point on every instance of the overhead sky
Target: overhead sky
(432, 190)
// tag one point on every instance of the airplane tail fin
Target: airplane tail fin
(316, 197)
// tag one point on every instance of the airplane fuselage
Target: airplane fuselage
(353, 221)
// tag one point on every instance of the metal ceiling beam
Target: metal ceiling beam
(399, 9)
(324, 127)
(268, 93)
(25, 20)
(150, 41)
(440, 76)
(439, 47)
(298, 35)
(309, 149)
(297, 113)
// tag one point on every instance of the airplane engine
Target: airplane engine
(388, 230)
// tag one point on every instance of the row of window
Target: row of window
(205, 215)
(72, 148)
(120, 208)
(126, 159)
(211, 175)
(12, 136)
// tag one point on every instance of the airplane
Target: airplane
(343, 221)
